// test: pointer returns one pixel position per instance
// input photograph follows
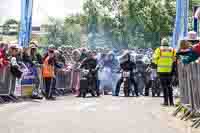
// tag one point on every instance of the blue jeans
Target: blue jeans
(115, 78)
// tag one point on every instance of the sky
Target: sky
(41, 10)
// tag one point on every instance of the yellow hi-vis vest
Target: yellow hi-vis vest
(164, 57)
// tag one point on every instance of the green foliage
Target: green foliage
(65, 33)
(125, 23)
(135, 23)
(154, 15)
(7, 27)
(194, 2)
(11, 21)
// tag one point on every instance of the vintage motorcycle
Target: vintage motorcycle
(126, 83)
(88, 83)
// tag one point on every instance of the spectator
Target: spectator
(35, 57)
(25, 56)
(36, 60)
(68, 54)
(83, 54)
(14, 61)
(75, 77)
(188, 52)
(48, 72)
(13, 52)
(61, 57)
(3, 60)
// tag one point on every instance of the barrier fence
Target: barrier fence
(7, 81)
(189, 85)
(63, 79)
(31, 82)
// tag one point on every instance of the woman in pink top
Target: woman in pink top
(75, 77)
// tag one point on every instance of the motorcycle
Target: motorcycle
(87, 82)
(126, 82)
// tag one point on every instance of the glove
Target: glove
(154, 66)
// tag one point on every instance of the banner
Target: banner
(28, 78)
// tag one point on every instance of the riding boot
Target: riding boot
(136, 92)
(97, 85)
(92, 93)
(146, 92)
(165, 96)
(135, 87)
(117, 90)
(148, 86)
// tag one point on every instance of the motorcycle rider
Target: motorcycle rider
(90, 63)
(141, 75)
(147, 73)
(127, 65)
(109, 73)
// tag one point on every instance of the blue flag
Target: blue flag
(181, 23)
(26, 22)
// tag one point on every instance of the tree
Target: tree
(9, 25)
(72, 30)
(123, 19)
(65, 33)
(124, 23)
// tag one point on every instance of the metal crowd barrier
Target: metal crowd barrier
(189, 77)
(12, 88)
(7, 85)
(63, 81)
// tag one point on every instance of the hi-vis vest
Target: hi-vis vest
(47, 70)
(164, 58)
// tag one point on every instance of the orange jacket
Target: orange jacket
(47, 69)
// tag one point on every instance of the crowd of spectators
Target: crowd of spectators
(50, 61)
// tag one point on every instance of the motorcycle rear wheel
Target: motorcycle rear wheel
(126, 92)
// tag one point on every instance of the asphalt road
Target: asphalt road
(92, 115)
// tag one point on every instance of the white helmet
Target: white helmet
(146, 60)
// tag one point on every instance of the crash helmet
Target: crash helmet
(51, 46)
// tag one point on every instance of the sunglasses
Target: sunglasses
(51, 51)
(14, 49)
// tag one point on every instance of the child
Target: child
(188, 52)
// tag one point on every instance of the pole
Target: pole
(186, 14)
(177, 24)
